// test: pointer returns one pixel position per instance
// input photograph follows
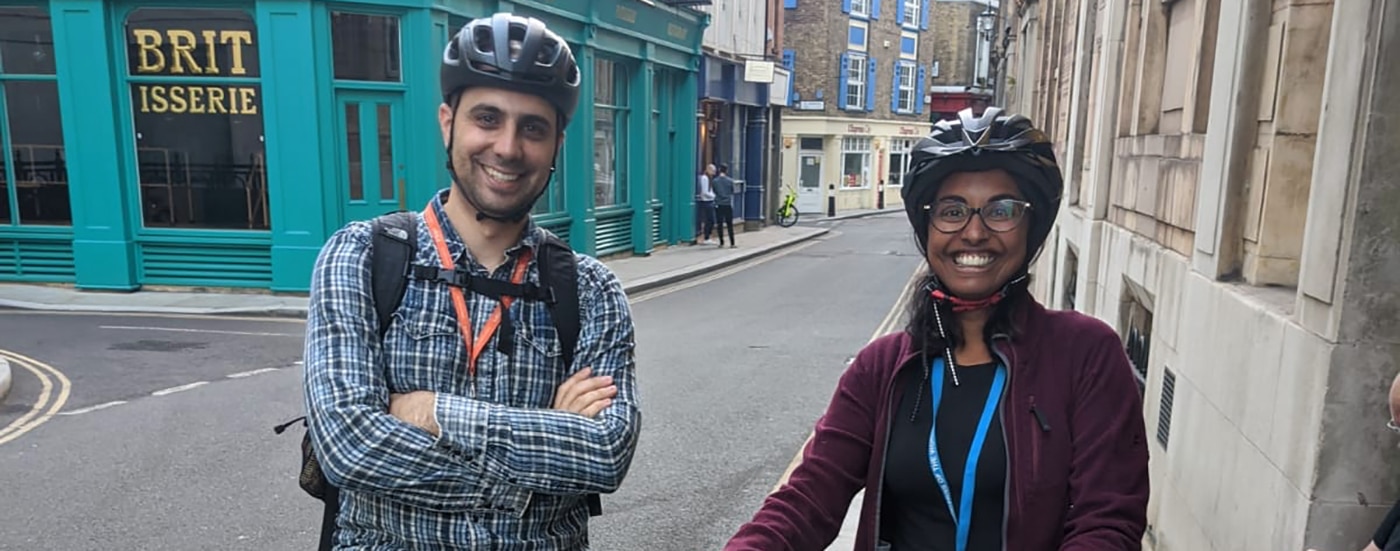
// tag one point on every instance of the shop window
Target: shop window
(900, 156)
(609, 133)
(366, 47)
(33, 175)
(197, 111)
(855, 161)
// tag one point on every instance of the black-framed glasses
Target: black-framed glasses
(1001, 215)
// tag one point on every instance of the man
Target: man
(724, 205)
(459, 430)
(705, 203)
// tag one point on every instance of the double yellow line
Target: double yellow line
(891, 321)
(54, 394)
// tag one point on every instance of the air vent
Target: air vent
(1164, 407)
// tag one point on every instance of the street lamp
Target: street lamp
(986, 30)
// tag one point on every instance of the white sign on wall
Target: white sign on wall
(758, 71)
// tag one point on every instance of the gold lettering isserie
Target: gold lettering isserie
(198, 100)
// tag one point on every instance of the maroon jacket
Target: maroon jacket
(1076, 450)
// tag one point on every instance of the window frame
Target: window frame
(864, 45)
(8, 169)
(900, 67)
(865, 6)
(620, 109)
(909, 35)
(127, 81)
(904, 149)
(852, 145)
(855, 80)
(912, 11)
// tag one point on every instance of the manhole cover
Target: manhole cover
(158, 346)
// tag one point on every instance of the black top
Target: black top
(913, 513)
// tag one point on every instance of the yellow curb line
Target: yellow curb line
(36, 415)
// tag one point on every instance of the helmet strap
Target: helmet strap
(960, 304)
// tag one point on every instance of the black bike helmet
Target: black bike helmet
(974, 144)
(515, 53)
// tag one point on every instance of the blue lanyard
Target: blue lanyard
(962, 516)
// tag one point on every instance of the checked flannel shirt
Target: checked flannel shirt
(507, 473)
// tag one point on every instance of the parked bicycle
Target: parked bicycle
(787, 212)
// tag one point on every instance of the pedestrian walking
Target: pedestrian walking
(705, 204)
(724, 205)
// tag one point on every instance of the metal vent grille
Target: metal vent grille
(1164, 411)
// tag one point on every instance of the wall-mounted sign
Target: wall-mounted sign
(810, 105)
(857, 129)
(758, 71)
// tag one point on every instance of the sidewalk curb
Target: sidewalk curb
(299, 311)
(868, 214)
(653, 282)
(5, 379)
(262, 311)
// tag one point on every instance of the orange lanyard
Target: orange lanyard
(459, 299)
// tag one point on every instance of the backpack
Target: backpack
(393, 246)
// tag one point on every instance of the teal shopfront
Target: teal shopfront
(218, 144)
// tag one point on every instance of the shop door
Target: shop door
(371, 153)
(809, 183)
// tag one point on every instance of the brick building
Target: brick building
(859, 70)
(961, 74)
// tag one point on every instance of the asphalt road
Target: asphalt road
(162, 438)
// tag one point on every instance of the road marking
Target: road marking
(9, 312)
(251, 373)
(207, 331)
(180, 388)
(731, 270)
(888, 324)
(49, 377)
(93, 408)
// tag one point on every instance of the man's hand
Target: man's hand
(584, 394)
(417, 408)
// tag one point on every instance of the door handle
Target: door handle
(403, 199)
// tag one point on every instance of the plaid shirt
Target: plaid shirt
(507, 472)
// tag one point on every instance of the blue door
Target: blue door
(371, 153)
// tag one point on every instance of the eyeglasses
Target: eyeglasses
(1002, 215)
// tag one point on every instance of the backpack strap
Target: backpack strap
(394, 245)
(559, 272)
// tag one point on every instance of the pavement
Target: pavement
(662, 267)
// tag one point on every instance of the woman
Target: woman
(990, 422)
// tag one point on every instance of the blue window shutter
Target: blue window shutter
(875, 9)
(899, 17)
(923, 15)
(894, 98)
(789, 58)
(790, 4)
(845, 6)
(919, 91)
(870, 84)
(841, 90)
(790, 61)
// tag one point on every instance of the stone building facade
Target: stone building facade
(963, 72)
(1231, 207)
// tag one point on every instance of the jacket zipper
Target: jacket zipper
(1001, 411)
(884, 457)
